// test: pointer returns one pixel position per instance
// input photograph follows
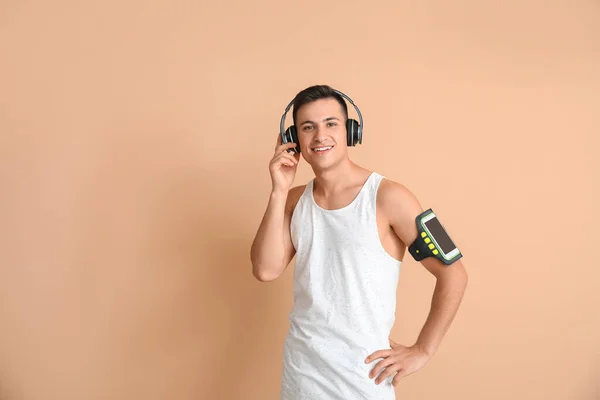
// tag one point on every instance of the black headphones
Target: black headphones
(353, 128)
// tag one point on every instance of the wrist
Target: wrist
(424, 349)
(278, 194)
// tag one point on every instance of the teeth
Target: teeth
(322, 148)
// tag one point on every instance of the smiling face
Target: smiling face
(321, 126)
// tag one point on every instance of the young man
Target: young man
(349, 229)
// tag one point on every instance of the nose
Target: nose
(319, 134)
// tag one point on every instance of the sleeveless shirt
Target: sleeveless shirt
(344, 292)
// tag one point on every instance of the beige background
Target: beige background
(131, 131)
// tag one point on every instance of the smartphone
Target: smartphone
(439, 236)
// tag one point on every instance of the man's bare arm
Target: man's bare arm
(272, 248)
(402, 207)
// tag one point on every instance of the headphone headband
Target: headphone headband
(281, 124)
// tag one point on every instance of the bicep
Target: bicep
(402, 208)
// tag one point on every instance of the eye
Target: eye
(332, 124)
(306, 127)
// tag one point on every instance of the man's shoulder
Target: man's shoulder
(400, 207)
(397, 200)
(394, 192)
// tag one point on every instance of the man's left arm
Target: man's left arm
(401, 208)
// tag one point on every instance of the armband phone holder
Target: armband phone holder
(433, 240)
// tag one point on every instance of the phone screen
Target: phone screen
(440, 235)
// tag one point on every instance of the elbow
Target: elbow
(264, 270)
(460, 276)
(455, 275)
(262, 273)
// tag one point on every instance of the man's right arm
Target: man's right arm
(272, 249)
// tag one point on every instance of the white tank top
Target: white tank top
(344, 300)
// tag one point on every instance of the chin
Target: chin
(323, 164)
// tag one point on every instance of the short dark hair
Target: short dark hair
(317, 92)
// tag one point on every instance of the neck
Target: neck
(331, 181)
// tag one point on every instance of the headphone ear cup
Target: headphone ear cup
(291, 136)
(353, 132)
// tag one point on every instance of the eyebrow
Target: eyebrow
(324, 119)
